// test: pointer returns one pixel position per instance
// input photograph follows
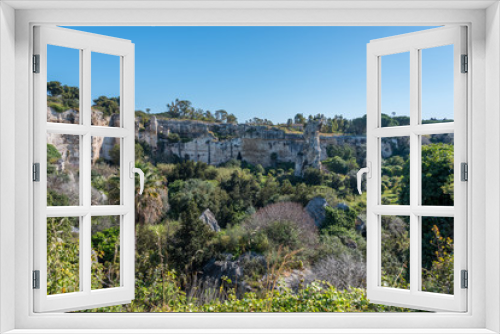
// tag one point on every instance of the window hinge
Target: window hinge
(36, 63)
(465, 64)
(464, 171)
(36, 172)
(36, 279)
(465, 279)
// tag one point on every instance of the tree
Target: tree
(231, 119)
(437, 176)
(153, 203)
(107, 105)
(179, 109)
(313, 176)
(221, 115)
(299, 119)
(191, 246)
(54, 88)
(344, 218)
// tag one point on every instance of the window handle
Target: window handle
(133, 170)
(368, 171)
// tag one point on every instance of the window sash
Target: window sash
(86, 297)
(414, 297)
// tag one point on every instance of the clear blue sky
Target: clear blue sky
(265, 72)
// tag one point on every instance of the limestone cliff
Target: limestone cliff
(212, 143)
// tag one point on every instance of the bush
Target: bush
(57, 107)
(313, 176)
(285, 224)
(173, 138)
(343, 272)
(343, 218)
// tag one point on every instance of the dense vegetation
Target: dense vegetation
(269, 254)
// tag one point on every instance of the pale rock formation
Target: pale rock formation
(316, 209)
(310, 157)
(209, 218)
(70, 116)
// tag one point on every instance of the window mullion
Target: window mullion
(414, 177)
(86, 162)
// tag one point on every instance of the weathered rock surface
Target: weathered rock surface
(216, 143)
(316, 209)
(209, 218)
(201, 141)
(310, 157)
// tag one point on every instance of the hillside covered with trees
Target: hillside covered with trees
(239, 237)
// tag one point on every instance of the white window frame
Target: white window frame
(414, 43)
(484, 103)
(85, 44)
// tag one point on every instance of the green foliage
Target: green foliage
(173, 245)
(115, 154)
(437, 176)
(344, 219)
(107, 105)
(313, 176)
(173, 137)
(106, 243)
(395, 243)
(62, 256)
(439, 277)
(345, 151)
(62, 98)
(191, 246)
(55, 198)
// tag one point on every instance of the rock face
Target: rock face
(209, 218)
(310, 157)
(216, 143)
(316, 209)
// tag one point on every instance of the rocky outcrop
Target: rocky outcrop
(310, 157)
(316, 209)
(216, 143)
(209, 218)
(70, 116)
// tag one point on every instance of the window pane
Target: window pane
(395, 174)
(63, 251)
(105, 90)
(437, 169)
(105, 252)
(395, 89)
(437, 254)
(437, 84)
(63, 85)
(395, 241)
(63, 169)
(105, 171)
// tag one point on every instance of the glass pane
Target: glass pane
(63, 170)
(63, 251)
(105, 90)
(437, 84)
(105, 252)
(105, 176)
(437, 169)
(63, 85)
(395, 173)
(395, 89)
(395, 241)
(437, 254)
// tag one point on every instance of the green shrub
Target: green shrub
(340, 218)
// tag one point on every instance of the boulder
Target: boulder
(316, 209)
(209, 218)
